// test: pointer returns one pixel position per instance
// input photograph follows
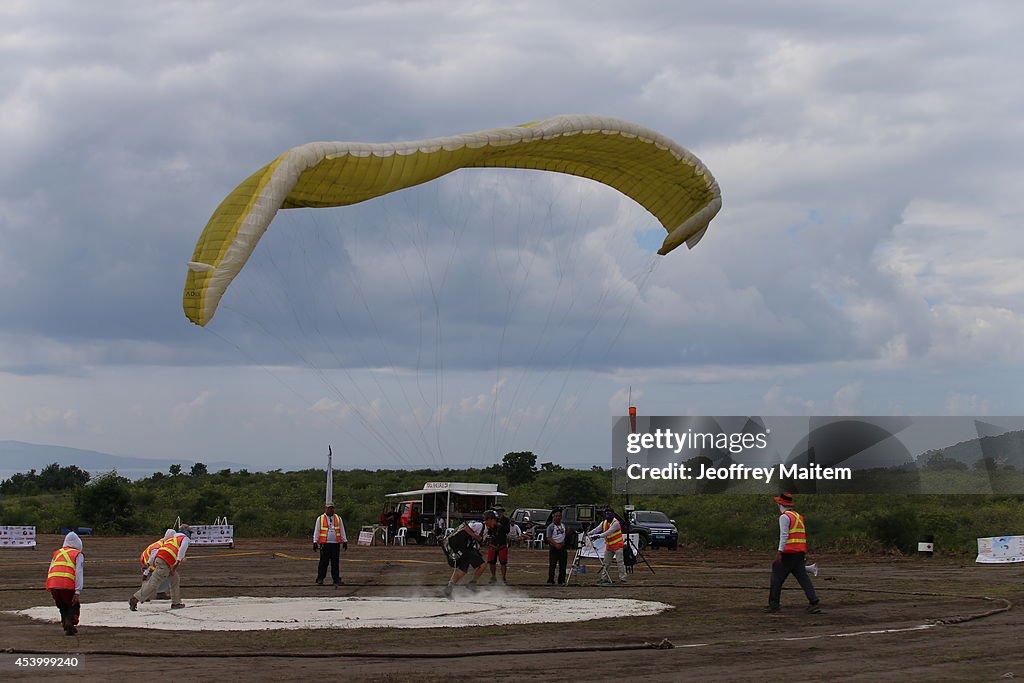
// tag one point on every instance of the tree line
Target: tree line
(284, 504)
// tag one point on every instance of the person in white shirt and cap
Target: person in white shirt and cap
(790, 556)
(329, 537)
(463, 550)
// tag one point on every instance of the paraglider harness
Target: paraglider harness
(458, 543)
(628, 556)
(631, 556)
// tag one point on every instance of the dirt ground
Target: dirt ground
(717, 627)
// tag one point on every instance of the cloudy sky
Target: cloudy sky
(866, 261)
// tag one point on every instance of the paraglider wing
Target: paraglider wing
(660, 175)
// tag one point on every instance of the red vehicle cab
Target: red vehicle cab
(406, 514)
(410, 512)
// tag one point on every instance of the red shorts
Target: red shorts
(497, 554)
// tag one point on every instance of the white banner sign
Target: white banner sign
(1000, 549)
(213, 535)
(365, 538)
(17, 537)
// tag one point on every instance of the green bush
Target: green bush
(107, 505)
(896, 528)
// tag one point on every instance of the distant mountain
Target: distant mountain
(1005, 449)
(17, 456)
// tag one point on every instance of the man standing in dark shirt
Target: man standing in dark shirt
(498, 550)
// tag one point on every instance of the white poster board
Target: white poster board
(17, 537)
(213, 535)
(597, 548)
(1000, 550)
(365, 538)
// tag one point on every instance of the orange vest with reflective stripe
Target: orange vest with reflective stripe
(168, 551)
(63, 569)
(797, 541)
(144, 557)
(614, 541)
(322, 538)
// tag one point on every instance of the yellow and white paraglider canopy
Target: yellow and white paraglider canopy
(660, 175)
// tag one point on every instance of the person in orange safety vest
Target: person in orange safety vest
(164, 562)
(162, 593)
(65, 579)
(329, 538)
(614, 542)
(791, 555)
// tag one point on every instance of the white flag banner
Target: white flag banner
(17, 537)
(330, 475)
(1000, 550)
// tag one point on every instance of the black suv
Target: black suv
(659, 529)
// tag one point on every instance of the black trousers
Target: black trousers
(557, 556)
(329, 552)
(792, 563)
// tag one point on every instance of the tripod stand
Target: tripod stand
(638, 556)
(574, 568)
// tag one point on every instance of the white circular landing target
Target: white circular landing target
(260, 614)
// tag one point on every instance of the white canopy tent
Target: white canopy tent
(452, 500)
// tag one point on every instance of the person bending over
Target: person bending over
(465, 545)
